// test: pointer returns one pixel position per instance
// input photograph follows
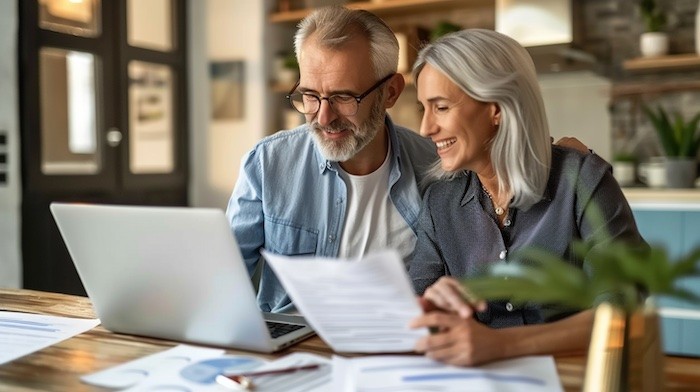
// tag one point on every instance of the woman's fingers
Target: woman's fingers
(450, 295)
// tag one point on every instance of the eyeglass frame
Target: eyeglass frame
(358, 98)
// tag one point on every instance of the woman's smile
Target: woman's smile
(445, 143)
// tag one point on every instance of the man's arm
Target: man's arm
(245, 212)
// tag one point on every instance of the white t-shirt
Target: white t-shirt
(372, 221)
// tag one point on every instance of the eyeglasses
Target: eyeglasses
(342, 104)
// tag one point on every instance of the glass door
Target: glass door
(153, 64)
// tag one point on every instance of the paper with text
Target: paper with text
(24, 333)
(418, 373)
(355, 306)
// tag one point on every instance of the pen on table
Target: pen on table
(291, 369)
(242, 382)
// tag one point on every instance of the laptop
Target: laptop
(170, 272)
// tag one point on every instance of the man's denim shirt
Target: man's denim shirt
(289, 200)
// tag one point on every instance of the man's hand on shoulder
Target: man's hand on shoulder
(573, 143)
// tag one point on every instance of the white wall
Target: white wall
(10, 266)
(577, 105)
(223, 30)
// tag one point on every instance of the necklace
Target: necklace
(497, 209)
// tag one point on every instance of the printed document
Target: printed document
(419, 373)
(25, 333)
(192, 368)
(362, 305)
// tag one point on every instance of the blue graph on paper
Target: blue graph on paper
(205, 372)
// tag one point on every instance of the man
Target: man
(347, 182)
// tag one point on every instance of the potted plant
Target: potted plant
(286, 68)
(624, 168)
(618, 282)
(654, 41)
(680, 141)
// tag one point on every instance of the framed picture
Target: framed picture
(151, 117)
(227, 89)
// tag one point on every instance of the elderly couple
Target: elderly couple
(480, 181)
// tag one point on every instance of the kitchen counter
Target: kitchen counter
(646, 198)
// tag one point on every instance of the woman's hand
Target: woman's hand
(458, 341)
(451, 296)
(466, 342)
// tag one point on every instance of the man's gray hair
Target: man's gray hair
(334, 26)
(492, 67)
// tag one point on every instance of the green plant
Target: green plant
(290, 61)
(443, 28)
(678, 137)
(624, 157)
(654, 17)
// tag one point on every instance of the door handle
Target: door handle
(114, 137)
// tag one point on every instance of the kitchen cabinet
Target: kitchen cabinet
(676, 227)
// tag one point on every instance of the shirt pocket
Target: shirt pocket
(288, 239)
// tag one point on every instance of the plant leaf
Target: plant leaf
(691, 129)
(681, 135)
(686, 266)
(667, 133)
(663, 128)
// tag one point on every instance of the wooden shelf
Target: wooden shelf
(663, 63)
(637, 88)
(386, 7)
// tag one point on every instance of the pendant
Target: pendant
(499, 211)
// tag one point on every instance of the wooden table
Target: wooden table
(58, 368)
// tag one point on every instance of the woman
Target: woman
(502, 187)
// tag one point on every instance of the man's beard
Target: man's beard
(346, 148)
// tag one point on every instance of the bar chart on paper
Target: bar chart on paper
(418, 373)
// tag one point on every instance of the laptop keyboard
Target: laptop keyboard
(279, 329)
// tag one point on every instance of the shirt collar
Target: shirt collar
(472, 185)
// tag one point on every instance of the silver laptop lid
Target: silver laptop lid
(166, 272)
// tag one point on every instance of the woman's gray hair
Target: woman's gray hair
(492, 67)
(334, 26)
